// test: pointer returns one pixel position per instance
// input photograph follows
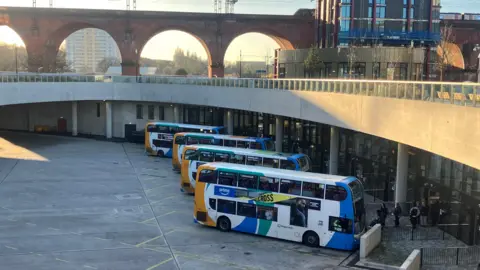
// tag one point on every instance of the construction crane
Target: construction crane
(127, 4)
(229, 6)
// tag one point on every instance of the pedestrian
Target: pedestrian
(381, 217)
(397, 212)
(414, 213)
(424, 215)
(434, 214)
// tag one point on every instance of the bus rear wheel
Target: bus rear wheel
(160, 154)
(223, 224)
(311, 239)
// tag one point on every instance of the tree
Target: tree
(313, 62)
(103, 65)
(181, 72)
(445, 50)
(352, 58)
(7, 57)
(61, 64)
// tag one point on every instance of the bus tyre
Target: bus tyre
(311, 239)
(160, 154)
(223, 224)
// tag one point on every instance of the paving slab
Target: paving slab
(73, 203)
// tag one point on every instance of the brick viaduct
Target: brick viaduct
(44, 29)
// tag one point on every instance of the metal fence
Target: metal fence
(464, 94)
(450, 256)
(420, 234)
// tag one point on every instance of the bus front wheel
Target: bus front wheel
(223, 224)
(311, 239)
(160, 154)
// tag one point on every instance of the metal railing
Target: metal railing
(440, 232)
(464, 94)
(450, 256)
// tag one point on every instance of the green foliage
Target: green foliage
(103, 65)
(181, 72)
(312, 62)
(8, 63)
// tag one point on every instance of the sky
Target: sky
(164, 44)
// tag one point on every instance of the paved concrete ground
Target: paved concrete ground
(70, 203)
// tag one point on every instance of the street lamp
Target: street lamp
(16, 59)
(136, 65)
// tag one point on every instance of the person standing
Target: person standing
(435, 213)
(414, 214)
(397, 212)
(424, 215)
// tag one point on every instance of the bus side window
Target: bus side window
(180, 140)
(246, 210)
(247, 181)
(213, 203)
(241, 144)
(255, 145)
(205, 141)
(256, 161)
(313, 190)
(335, 193)
(267, 213)
(271, 163)
(225, 206)
(218, 142)
(163, 129)
(191, 155)
(206, 156)
(221, 157)
(268, 184)
(287, 164)
(290, 187)
(151, 128)
(191, 141)
(208, 176)
(228, 179)
(230, 143)
(173, 130)
(237, 159)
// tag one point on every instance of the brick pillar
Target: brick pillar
(215, 71)
(130, 69)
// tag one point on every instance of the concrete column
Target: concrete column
(108, 120)
(176, 113)
(334, 142)
(74, 118)
(279, 133)
(230, 122)
(402, 176)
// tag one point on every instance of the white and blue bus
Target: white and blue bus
(159, 136)
(195, 155)
(315, 209)
(190, 138)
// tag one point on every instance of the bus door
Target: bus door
(204, 157)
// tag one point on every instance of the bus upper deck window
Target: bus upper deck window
(151, 128)
(230, 143)
(191, 155)
(287, 164)
(335, 193)
(180, 140)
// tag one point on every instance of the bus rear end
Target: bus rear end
(178, 144)
(189, 159)
(358, 201)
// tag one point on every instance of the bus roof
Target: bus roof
(170, 124)
(245, 151)
(282, 173)
(222, 136)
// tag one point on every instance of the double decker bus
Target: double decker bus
(188, 138)
(195, 155)
(318, 210)
(159, 136)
